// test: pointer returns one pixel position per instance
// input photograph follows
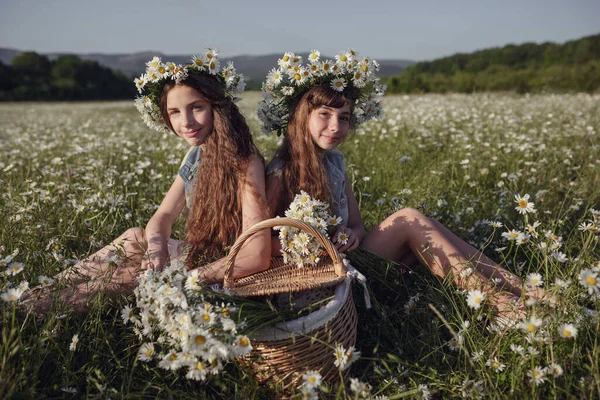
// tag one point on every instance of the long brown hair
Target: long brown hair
(215, 218)
(303, 165)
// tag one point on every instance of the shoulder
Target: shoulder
(192, 155)
(275, 166)
(256, 163)
(336, 159)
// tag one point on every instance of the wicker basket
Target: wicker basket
(286, 350)
(282, 277)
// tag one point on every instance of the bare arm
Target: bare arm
(255, 255)
(274, 190)
(158, 229)
(355, 229)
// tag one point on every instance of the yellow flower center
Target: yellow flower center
(244, 342)
(198, 62)
(206, 317)
(173, 356)
(211, 65)
(199, 339)
(209, 56)
(286, 58)
(297, 77)
(12, 297)
(365, 68)
(339, 84)
(343, 58)
(513, 235)
(149, 352)
(566, 333)
(523, 203)
(326, 67)
(200, 366)
(590, 280)
(530, 327)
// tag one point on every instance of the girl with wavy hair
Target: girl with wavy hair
(315, 112)
(220, 183)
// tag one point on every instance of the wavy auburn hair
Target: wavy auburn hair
(215, 219)
(301, 157)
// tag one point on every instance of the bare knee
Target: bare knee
(410, 215)
(133, 239)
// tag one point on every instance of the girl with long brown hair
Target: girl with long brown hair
(220, 183)
(315, 117)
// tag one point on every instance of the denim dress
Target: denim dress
(336, 177)
(188, 171)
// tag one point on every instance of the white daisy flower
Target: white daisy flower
(338, 84)
(200, 61)
(285, 61)
(531, 325)
(535, 279)
(554, 369)
(312, 379)
(146, 352)
(127, 314)
(495, 364)
(314, 56)
(213, 66)
(524, 206)
(589, 279)
(15, 268)
(12, 294)
(342, 238)
(197, 371)
(537, 375)
(327, 66)
(567, 331)
(475, 298)
(274, 77)
(74, 342)
(343, 58)
(45, 281)
(511, 235)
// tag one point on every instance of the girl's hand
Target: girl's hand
(155, 260)
(345, 239)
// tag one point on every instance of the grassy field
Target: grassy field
(75, 175)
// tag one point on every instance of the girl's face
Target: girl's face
(190, 114)
(329, 126)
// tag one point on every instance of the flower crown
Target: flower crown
(349, 73)
(150, 84)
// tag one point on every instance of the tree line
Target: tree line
(34, 77)
(572, 66)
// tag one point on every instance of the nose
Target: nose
(334, 124)
(188, 118)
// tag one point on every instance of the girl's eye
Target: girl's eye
(197, 107)
(173, 112)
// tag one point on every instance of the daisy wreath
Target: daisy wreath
(349, 73)
(150, 84)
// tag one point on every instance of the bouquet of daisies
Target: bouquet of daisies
(298, 246)
(188, 326)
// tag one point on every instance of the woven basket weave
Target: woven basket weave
(282, 277)
(288, 349)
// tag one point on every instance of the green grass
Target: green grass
(76, 175)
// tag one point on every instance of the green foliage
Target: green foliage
(571, 67)
(34, 77)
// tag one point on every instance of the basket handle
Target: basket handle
(339, 267)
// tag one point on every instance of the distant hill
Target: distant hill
(255, 68)
(571, 66)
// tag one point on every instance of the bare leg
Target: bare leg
(410, 228)
(482, 263)
(115, 266)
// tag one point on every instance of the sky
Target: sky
(383, 29)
